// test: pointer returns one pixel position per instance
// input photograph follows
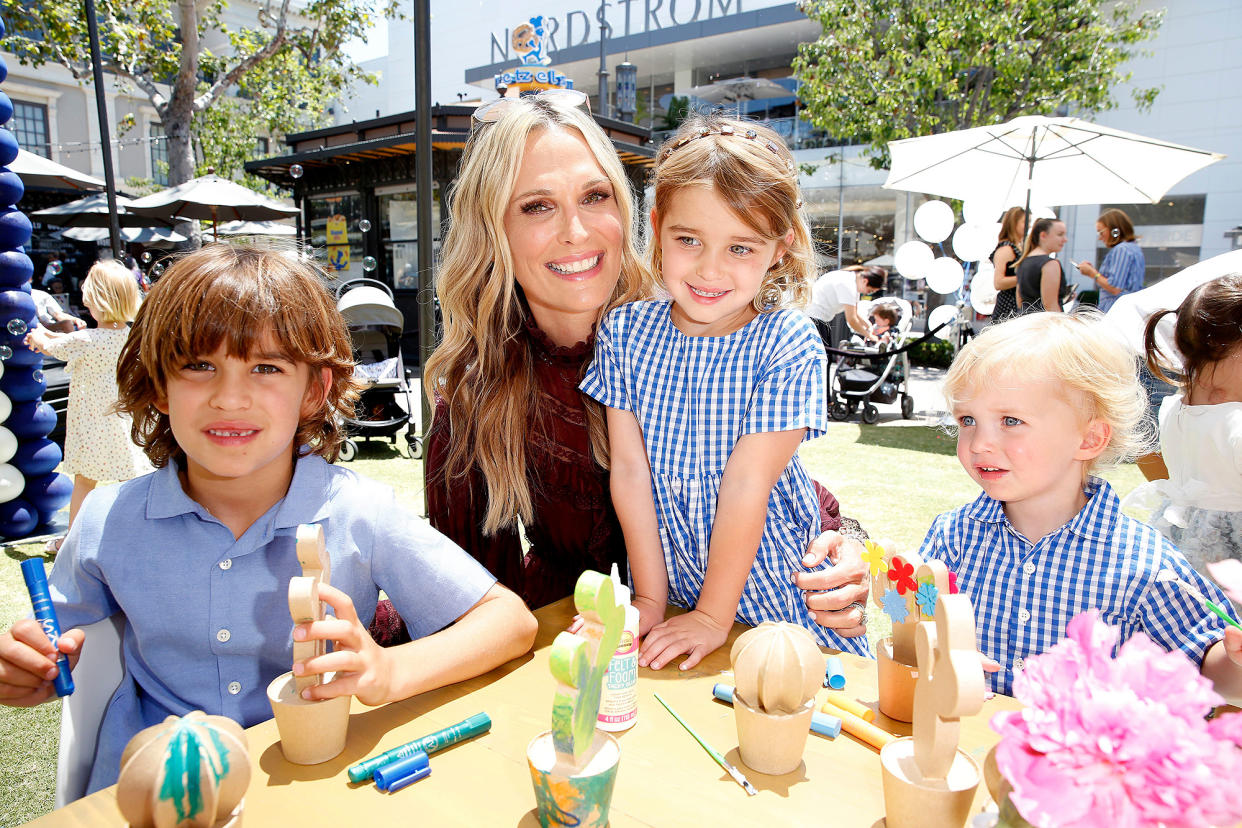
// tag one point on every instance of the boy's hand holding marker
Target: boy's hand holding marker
(28, 662)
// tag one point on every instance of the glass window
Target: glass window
(399, 230)
(159, 154)
(1170, 233)
(29, 124)
(335, 235)
(869, 223)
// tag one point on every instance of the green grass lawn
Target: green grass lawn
(893, 480)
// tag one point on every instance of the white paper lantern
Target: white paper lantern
(944, 275)
(942, 314)
(11, 482)
(983, 292)
(6, 407)
(912, 259)
(971, 243)
(933, 221)
(983, 304)
(8, 445)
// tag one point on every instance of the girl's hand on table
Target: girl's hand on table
(650, 613)
(696, 633)
(363, 668)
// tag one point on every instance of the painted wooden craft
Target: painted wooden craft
(310, 731)
(189, 771)
(778, 668)
(573, 766)
(928, 782)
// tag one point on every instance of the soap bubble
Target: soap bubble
(56, 267)
(5, 352)
(17, 327)
(36, 375)
(157, 270)
(369, 263)
(146, 257)
(296, 171)
(364, 225)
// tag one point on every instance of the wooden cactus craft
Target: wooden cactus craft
(187, 771)
(950, 683)
(304, 603)
(778, 667)
(906, 589)
(579, 662)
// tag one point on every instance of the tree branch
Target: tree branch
(245, 65)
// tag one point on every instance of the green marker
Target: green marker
(441, 739)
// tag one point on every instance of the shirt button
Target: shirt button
(1028, 567)
(1017, 664)
(226, 564)
(1023, 615)
(223, 636)
(234, 687)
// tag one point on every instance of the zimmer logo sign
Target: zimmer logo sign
(577, 27)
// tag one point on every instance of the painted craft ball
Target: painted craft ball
(912, 259)
(17, 518)
(933, 221)
(35, 457)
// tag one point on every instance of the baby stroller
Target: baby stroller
(375, 327)
(867, 374)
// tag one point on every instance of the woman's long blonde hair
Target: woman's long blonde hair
(483, 368)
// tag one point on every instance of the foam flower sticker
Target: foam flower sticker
(1092, 744)
(902, 575)
(895, 606)
(926, 599)
(952, 582)
(873, 554)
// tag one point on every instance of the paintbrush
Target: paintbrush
(720, 760)
(1168, 575)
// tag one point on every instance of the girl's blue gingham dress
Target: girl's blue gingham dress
(694, 396)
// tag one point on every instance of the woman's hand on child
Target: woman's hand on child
(363, 668)
(836, 596)
(28, 662)
(696, 633)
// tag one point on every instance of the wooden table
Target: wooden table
(664, 778)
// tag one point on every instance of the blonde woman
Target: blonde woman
(539, 248)
(97, 442)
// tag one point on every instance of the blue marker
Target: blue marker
(834, 673)
(45, 613)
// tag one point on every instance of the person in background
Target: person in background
(1004, 259)
(1123, 268)
(837, 292)
(1041, 281)
(53, 269)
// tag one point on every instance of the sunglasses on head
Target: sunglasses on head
(493, 111)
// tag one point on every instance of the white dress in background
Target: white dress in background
(1199, 508)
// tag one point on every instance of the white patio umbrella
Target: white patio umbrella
(129, 235)
(1045, 161)
(92, 211)
(734, 90)
(211, 198)
(1127, 318)
(37, 171)
(256, 228)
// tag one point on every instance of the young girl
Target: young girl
(97, 441)
(237, 375)
(1043, 405)
(1004, 258)
(1200, 506)
(710, 392)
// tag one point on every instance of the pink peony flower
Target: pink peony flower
(1119, 741)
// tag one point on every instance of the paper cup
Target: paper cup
(310, 731)
(896, 683)
(771, 743)
(564, 796)
(913, 802)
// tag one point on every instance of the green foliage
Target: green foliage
(274, 76)
(889, 69)
(678, 110)
(934, 353)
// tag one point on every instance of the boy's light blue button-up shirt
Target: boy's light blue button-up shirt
(207, 623)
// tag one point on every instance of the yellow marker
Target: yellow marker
(851, 705)
(856, 727)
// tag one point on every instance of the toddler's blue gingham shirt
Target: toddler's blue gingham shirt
(1024, 594)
